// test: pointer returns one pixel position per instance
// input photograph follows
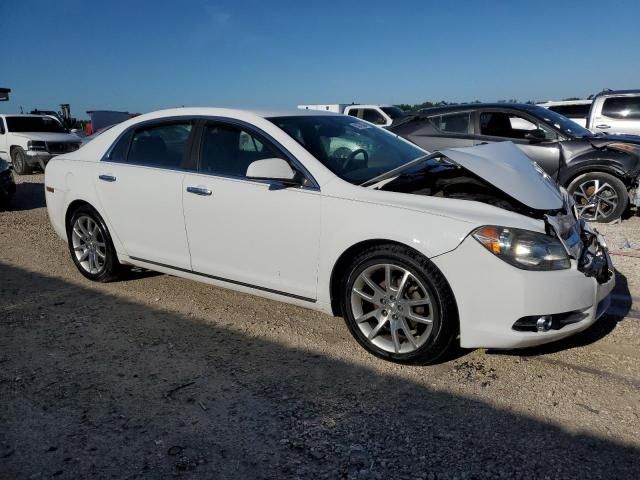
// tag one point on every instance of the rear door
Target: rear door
(140, 188)
(618, 115)
(451, 130)
(495, 125)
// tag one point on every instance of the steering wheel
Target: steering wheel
(353, 154)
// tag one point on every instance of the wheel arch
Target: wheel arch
(580, 166)
(342, 262)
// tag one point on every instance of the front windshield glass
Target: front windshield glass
(34, 124)
(354, 150)
(568, 127)
(393, 112)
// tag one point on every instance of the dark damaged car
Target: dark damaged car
(600, 171)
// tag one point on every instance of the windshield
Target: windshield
(568, 127)
(34, 124)
(393, 112)
(354, 150)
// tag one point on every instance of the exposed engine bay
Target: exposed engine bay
(437, 177)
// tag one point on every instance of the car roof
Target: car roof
(24, 115)
(607, 93)
(554, 103)
(476, 106)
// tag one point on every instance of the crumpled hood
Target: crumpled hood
(507, 168)
(49, 136)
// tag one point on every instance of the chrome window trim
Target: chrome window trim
(225, 120)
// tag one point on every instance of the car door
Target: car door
(450, 130)
(619, 115)
(139, 185)
(494, 125)
(245, 231)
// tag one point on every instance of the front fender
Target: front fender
(622, 165)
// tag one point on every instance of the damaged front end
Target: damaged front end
(502, 176)
(582, 243)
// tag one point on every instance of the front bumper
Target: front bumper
(38, 158)
(492, 295)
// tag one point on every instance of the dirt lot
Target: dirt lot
(156, 376)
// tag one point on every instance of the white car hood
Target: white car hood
(49, 136)
(506, 167)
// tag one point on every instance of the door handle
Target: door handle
(205, 192)
(484, 143)
(107, 178)
(603, 126)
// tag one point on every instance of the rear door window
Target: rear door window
(622, 108)
(163, 145)
(453, 122)
(373, 116)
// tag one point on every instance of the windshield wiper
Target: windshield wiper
(395, 171)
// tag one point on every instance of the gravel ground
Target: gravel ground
(156, 376)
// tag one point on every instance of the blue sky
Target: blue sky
(144, 55)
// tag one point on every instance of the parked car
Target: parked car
(415, 250)
(615, 111)
(7, 184)
(32, 140)
(576, 110)
(600, 172)
(380, 115)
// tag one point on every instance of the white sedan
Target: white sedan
(418, 252)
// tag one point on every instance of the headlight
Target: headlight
(523, 248)
(625, 147)
(37, 145)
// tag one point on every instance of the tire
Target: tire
(433, 326)
(91, 247)
(19, 161)
(600, 197)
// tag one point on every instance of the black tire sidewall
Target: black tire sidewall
(112, 265)
(19, 162)
(615, 182)
(445, 326)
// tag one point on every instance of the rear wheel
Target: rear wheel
(19, 161)
(398, 305)
(91, 247)
(599, 197)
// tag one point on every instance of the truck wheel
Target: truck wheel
(19, 161)
(600, 197)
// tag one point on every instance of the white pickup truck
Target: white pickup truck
(29, 141)
(380, 115)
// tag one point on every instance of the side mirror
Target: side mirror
(535, 136)
(272, 169)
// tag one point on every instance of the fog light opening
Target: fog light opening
(544, 323)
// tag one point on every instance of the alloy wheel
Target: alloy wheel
(595, 199)
(392, 308)
(89, 244)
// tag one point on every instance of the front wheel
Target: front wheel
(599, 197)
(398, 305)
(91, 247)
(19, 161)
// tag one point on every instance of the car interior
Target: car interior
(501, 124)
(229, 151)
